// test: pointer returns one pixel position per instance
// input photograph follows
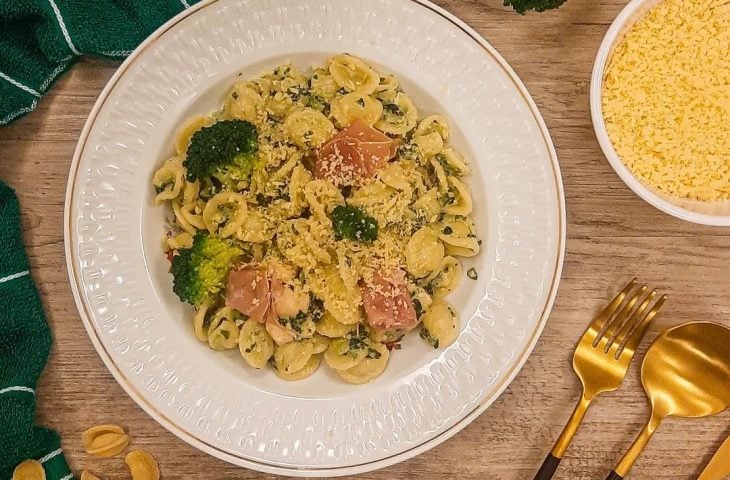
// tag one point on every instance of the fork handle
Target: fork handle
(548, 468)
(550, 465)
(614, 476)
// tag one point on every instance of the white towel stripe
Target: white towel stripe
(17, 388)
(18, 113)
(51, 455)
(67, 477)
(21, 86)
(118, 53)
(185, 3)
(64, 30)
(14, 276)
(54, 73)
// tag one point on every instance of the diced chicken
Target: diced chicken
(249, 291)
(388, 304)
(285, 302)
(280, 334)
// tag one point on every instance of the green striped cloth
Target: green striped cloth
(25, 341)
(40, 39)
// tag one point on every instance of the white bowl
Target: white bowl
(707, 213)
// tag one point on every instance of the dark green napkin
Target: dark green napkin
(40, 39)
(25, 341)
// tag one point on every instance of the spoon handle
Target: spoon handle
(623, 467)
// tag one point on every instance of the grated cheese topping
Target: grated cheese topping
(666, 99)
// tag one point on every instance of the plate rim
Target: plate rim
(263, 466)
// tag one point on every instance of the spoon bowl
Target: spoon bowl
(685, 373)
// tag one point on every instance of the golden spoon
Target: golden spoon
(686, 373)
(719, 466)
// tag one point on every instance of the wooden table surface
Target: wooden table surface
(612, 235)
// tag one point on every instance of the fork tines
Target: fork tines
(622, 323)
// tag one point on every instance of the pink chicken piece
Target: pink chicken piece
(388, 304)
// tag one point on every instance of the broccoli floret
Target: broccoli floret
(202, 269)
(351, 222)
(226, 149)
(522, 6)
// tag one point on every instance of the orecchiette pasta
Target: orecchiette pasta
(315, 216)
(441, 323)
(429, 144)
(292, 357)
(347, 108)
(309, 128)
(353, 74)
(424, 252)
(306, 371)
(459, 198)
(255, 344)
(169, 180)
(244, 103)
(331, 328)
(434, 124)
(223, 331)
(446, 277)
(459, 236)
(369, 368)
(399, 116)
(225, 213)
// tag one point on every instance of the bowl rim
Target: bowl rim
(599, 126)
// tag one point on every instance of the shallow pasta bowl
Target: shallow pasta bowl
(707, 213)
(320, 426)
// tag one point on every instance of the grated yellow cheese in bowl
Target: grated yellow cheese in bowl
(666, 99)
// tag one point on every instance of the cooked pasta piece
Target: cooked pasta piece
(223, 331)
(434, 124)
(331, 328)
(369, 369)
(309, 128)
(441, 323)
(306, 371)
(424, 252)
(399, 115)
(459, 198)
(348, 108)
(169, 180)
(446, 278)
(459, 236)
(292, 357)
(255, 344)
(225, 213)
(244, 103)
(353, 74)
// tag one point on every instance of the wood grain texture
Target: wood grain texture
(612, 235)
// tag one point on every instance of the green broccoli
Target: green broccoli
(202, 269)
(351, 222)
(522, 6)
(226, 149)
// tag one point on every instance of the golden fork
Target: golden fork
(603, 356)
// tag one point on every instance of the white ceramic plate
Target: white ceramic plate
(321, 426)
